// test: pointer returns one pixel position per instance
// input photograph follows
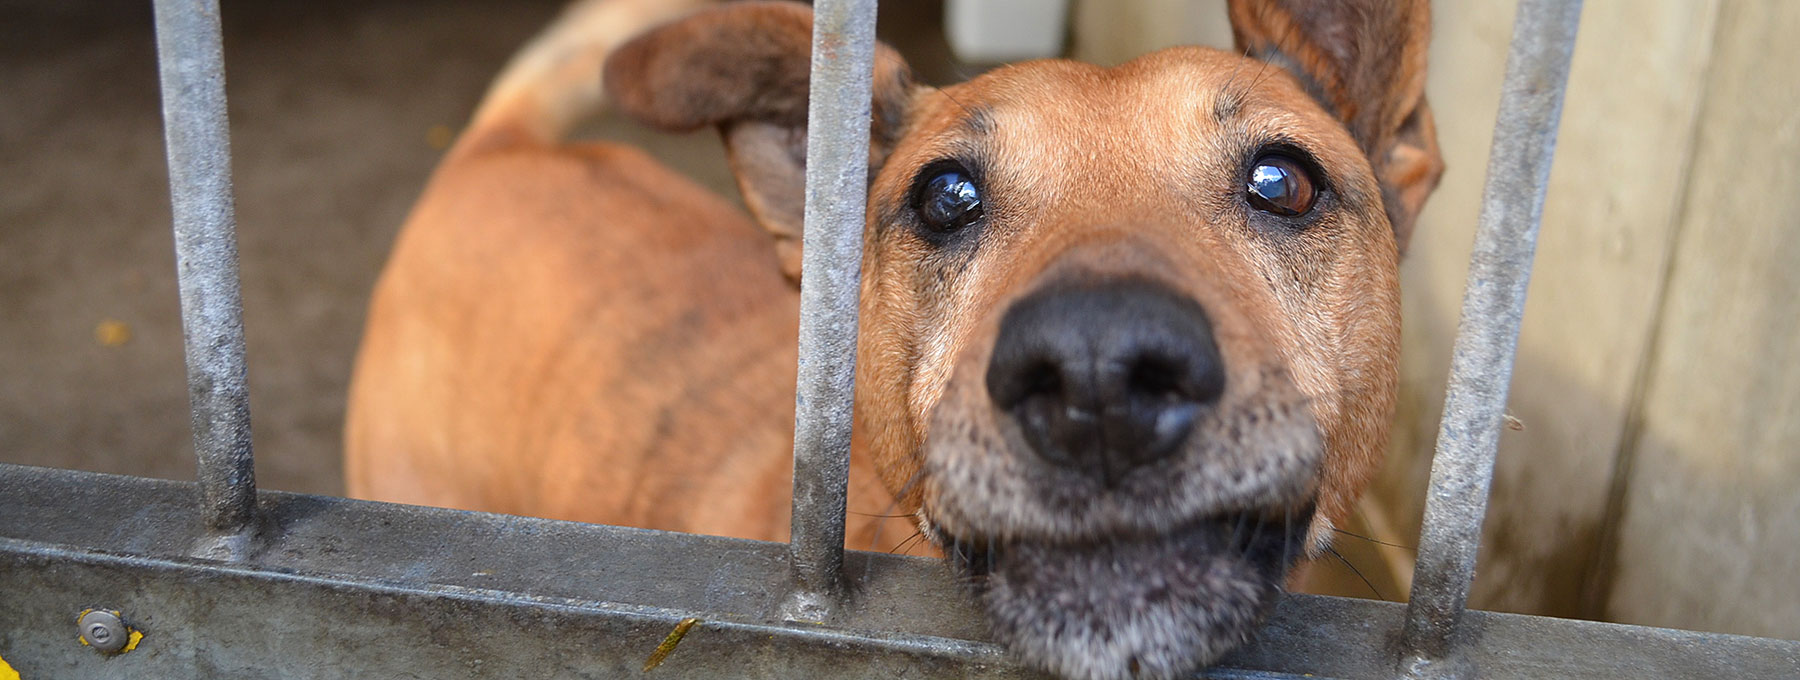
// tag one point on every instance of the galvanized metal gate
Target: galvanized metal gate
(228, 582)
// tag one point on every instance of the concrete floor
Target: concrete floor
(332, 108)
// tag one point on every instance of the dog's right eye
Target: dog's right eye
(948, 200)
(1280, 185)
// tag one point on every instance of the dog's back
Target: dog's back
(575, 331)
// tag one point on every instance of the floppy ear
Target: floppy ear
(743, 67)
(1364, 60)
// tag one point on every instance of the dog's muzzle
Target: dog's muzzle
(1117, 510)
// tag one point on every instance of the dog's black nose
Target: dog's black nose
(1105, 377)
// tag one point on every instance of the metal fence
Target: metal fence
(232, 583)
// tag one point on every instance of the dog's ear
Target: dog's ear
(1364, 60)
(744, 67)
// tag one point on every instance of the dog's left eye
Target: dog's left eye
(1280, 185)
(949, 200)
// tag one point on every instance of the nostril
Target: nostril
(1013, 380)
(1191, 374)
(1033, 392)
(1156, 377)
(1041, 379)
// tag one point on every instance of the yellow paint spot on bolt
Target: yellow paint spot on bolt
(112, 333)
(668, 644)
(79, 637)
(113, 635)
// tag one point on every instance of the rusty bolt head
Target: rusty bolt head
(103, 631)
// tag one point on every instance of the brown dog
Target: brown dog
(1128, 335)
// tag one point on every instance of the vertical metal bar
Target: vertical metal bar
(1537, 69)
(837, 154)
(190, 52)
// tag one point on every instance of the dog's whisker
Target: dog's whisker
(954, 100)
(875, 539)
(1262, 71)
(1376, 541)
(1229, 100)
(1255, 533)
(1287, 539)
(905, 543)
(1225, 91)
(990, 556)
(921, 540)
(1237, 533)
(1358, 572)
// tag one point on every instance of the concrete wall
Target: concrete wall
(1710, 528)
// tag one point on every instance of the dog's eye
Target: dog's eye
(1280, 185)
(949, 200)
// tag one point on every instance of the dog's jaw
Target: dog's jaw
(1155, 606)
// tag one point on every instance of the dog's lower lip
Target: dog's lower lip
(1250, 538)
(1246, 531)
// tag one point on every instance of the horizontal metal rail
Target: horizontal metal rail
(361, 589)
(190, 51)
(837, 185)
(1537, 70)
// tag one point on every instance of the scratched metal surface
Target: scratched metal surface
(342, 588)
(837, 171)
(1487, 338)
(191, 57)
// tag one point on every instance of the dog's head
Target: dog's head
(1128, 335)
